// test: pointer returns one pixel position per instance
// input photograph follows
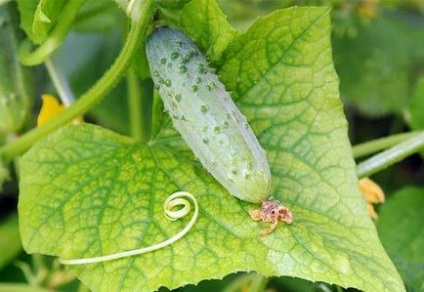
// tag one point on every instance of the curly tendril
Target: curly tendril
(177, 199)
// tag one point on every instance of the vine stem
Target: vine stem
(373, 146)
(54, 40)
(136, 35)
(175, 200)
(390, 156)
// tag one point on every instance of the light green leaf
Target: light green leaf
(205, 23)
(10, 243)
(402, 233)
(87, 192)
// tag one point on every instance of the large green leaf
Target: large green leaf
(88, 192)
(402, 233)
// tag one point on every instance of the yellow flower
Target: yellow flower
(51, 108)
(373, 194)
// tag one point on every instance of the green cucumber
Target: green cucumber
(204, 114)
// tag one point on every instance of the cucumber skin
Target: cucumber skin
(204, 114)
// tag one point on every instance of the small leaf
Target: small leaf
(26, 11)
(402, 233)
(38, 19)
(40, 16)
(205, 23)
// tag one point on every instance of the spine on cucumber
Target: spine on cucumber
(206, 117)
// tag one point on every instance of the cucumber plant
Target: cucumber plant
(229, 119)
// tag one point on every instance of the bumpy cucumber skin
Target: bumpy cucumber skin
(206, 117)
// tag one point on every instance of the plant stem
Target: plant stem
(391, 156)
(55, 38)
(134, 107)
(135, 36)
(381, 144)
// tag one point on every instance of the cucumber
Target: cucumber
(204, 114)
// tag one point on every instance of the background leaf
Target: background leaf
(376, 66)
(402, 233)
(88, 192)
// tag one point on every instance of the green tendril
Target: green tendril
(177, 199)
